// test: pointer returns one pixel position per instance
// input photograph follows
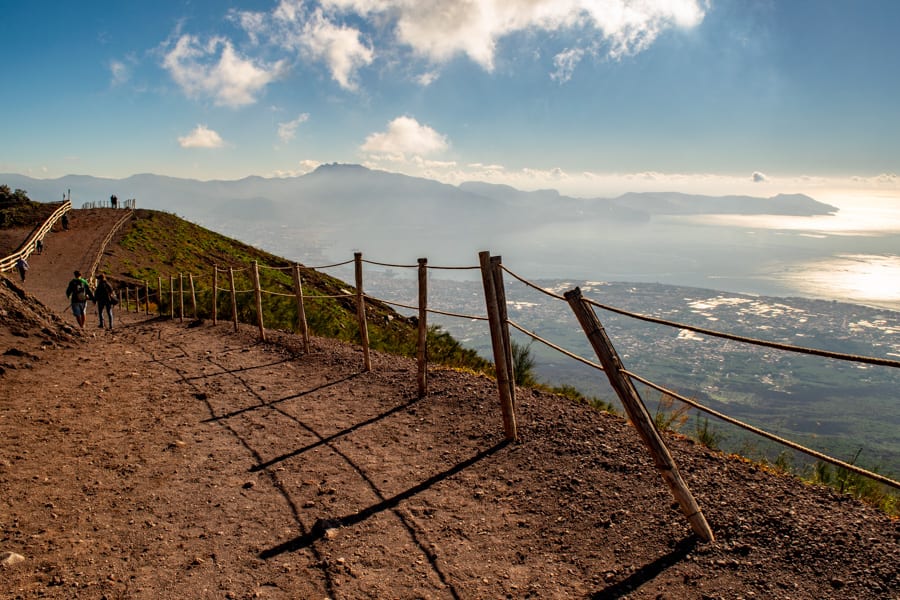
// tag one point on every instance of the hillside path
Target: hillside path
(170, 459)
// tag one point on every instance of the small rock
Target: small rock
(8, 559)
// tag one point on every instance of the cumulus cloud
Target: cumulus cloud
(216, 70)
(440, 30)
(288, 130)
(759, 177)
(405, 136)
(201, 137)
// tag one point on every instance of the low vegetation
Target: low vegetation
(17, 210)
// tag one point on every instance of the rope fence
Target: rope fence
(499, 324)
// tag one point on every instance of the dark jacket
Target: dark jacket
(70, 291)
(104, 293)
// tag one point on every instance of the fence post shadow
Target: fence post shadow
(322, 525)
(649, 571)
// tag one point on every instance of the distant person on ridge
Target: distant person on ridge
(39, 246)
(79, 292)
(105, 297)
(114, 201)
(22, 267)
(65, 222)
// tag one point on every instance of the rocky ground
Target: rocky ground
(176, 459)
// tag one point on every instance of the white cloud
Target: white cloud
(201, 137)
(759, 177)
(288, 131)
(340, 47)
(405, 136)
(440, 30)
(121, 73)
(565, 62)
(216, 70)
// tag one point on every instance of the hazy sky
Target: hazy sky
(591, 97)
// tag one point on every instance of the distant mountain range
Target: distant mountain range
(338, 190)
(323, 216)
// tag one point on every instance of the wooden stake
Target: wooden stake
(361, 310)
(258, 290)
(638, 414)
(301, 309)
(500, 291)
(215, 294)
(193, 295)
(422, 350)
(500, 366)
(234, 315)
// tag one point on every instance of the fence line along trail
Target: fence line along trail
(165, 459)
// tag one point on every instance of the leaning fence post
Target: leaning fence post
(301, 310)
(500, 292)
(258, 292)
(637, 413)
(361, 310)
(422, 353)
(499, 348)
(234, 315)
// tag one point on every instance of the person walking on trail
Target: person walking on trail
(39, 246)
(105, 297)
(22, 268)
(79, 292)
(65, 222)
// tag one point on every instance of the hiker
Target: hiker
(39, 246)
(79, 292)
(65, 222)
(114, 201)
(105, 297)
(22, 267)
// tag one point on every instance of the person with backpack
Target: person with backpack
(22, 268)
(105, 297)
(78, 293)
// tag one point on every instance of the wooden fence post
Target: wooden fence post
(172, 296)
(500, 292)
(422, 350)
(499, 347)
(146, 297)
(234, 314)
(181, 297)
(159, 295)
(258, 292)
(193, 294)
(215, 293)
(301, 310)
(361, 310)
(637, 412)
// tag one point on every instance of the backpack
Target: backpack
(79, 291)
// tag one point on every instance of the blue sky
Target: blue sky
(589, 97)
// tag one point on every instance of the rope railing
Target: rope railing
(29, 245)
(883, 362)
(573, 356)
(742, 339)
(762, 433)
(550, 344)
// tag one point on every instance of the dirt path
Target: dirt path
(168, 459)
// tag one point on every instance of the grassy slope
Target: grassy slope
(155, 244)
